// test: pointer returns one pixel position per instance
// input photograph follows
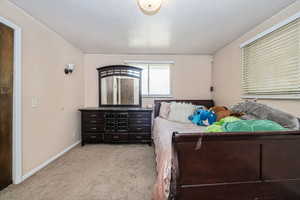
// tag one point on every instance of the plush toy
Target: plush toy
(217, 109)
(222, 112)
(203, 117)
(195, 118)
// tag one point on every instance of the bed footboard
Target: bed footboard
(237, 166)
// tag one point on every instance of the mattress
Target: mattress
(162, 138)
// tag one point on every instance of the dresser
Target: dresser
(116, 125)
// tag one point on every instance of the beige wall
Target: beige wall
(226, 67)
(49, 128)
(190, 75)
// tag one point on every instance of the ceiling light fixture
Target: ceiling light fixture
(150, 7)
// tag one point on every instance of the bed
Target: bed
(192, 164)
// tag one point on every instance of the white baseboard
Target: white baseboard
(47, 162)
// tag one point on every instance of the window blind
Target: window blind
(271, 64)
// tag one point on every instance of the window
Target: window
(155, 78)
(271, 63)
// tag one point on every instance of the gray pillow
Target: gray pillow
(262, 111)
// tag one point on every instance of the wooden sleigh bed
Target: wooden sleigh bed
(234, 166)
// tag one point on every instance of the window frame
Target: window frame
(257, 37)
(148, 63)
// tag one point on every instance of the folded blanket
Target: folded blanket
(252, 126)
(233, 124)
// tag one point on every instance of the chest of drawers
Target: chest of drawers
(116, 125)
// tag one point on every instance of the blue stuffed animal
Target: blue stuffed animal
(195, 118)
(203, 117)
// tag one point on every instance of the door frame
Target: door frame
(17, 102)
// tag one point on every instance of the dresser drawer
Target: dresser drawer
(140, 137)
(110, 115)
(114, 137)
(116, 115)
(92, 115)
(110, 129)
(92, 138)
(139, 121)
(93, 128)
(122, 129)
(122, 115)
(140, 128)
(91, 121)
(122, 120)
(139, 115)
(115, 120)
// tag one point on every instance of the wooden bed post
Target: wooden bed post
(174, 188)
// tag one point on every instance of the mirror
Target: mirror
(119, 85)
(120, 90)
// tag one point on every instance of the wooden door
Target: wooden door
(6, 98)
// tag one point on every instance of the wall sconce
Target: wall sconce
(69, 68)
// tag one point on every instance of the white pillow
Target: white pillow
(164, 110)
(180, 112)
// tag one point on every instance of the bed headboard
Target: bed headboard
(207, 103)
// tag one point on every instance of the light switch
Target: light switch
(34, 102)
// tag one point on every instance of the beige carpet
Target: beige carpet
(94, 172)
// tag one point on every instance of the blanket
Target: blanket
(232, 124)
(254, 110)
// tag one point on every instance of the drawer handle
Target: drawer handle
(139, 129)
(93, 121)
(116, 137)
(93, 128)
(94, 115)
(139, 137)
(93, 137)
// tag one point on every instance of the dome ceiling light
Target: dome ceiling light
(150, 7)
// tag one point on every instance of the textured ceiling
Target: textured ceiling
(181, 26)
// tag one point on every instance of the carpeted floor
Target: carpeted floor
(94, 172)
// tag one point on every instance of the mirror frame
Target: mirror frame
(120, 70)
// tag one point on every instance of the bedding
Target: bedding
(252, 126)
(256, 110)
(218, 126)
(162, 138)
(233, 124)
